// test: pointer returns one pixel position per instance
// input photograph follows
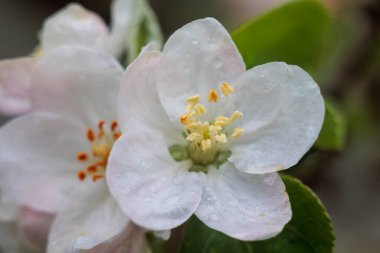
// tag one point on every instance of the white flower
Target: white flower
(54, 159)
(203, 135)
(74, 25)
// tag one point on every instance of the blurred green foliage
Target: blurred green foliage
(295, 33)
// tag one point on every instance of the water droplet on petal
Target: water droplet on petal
(214, 218)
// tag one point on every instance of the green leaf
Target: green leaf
(333, 132)
(295, 33)
(309, 231)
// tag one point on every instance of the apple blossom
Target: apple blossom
(207, 137)
(74, 25)
(53, 159)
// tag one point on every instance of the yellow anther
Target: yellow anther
(213, 96)
(200, 109)
(194, 137)
(235, 116)
(237, 132)
(206, 144)
(222, 121)
(214, 130)
(191, 102)
(226, 89)
(192, 125)
(193, 99)
(221, 138)
(185, 119)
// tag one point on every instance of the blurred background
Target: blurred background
(347, 181)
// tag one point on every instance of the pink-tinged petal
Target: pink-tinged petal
(77, 82)
(75, 26)
(131, 240)
(139, 104)
(203, 56)
(89, 218)
(155, 191)
(283, 114)
(243, 206)
(35, 226)
(38, 154)
(15, 78)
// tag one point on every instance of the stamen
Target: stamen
(97, 177)
(101, 124)
(81, 175)
(90, 135)
(114, 125)
(237, 132)
(221, 138)
(194, 137)
(193, 99)
(92, 168)
(227, 89)
(235, 116)
(184, 119)
(213, 96)
(222, 121)
(206, 144)
(200, 109)
(82, 156)
(116, 135)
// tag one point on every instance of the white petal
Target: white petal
(74, 25)
(15, 78)
(131, 240)
(152, 189)
(35, 227)
(198, 57)
(139, 105)
(77, 82)
(91, 217)
(38, 159)
(243, 206)
(283, 114)
(9, 209)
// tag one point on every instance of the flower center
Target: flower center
(208, 141)
(101, 143)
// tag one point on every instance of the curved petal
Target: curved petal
(139, 104)
(35, 227)
(243, 206)
(38, 159)
(198, 57)
(77, 82)
(74, 25)
(131, 240)
(9, 209)
(15, 78)
(152, 189)
(283, 114)
(91, 217)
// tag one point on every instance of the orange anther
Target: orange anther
(116, 135)
(90, 135)
(81, 175)
(114, 125)
(213, 96)
(97, 177)
(184, 119)
(92, 168)
(82, 156)
(101, 124)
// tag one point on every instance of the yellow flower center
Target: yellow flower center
(207, 139)
(101, 141)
